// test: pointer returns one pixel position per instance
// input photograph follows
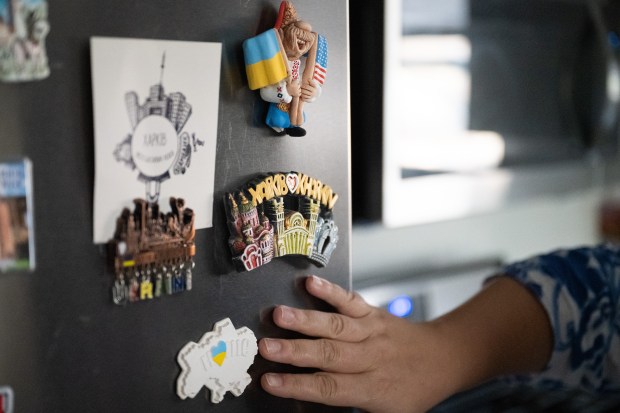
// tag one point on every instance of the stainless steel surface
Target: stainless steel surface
(63, 345)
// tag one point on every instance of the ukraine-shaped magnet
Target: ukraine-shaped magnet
(219, 361)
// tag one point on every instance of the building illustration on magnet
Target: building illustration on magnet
(281, 214)
(153, 252)
(16, 216)
(155, 107)
(158, 143)
(23, 30)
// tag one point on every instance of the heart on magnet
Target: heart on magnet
(292, 181)
(218, 353)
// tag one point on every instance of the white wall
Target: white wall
(510, 234)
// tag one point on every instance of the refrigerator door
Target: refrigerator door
(64, 346)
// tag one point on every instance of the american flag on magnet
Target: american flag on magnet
(320, 67)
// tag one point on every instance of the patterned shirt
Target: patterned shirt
(580, 290)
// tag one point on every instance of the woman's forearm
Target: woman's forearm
(502, 330)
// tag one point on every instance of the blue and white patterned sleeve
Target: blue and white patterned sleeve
(580, 290)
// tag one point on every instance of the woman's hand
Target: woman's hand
(381, 363)
(367, 357)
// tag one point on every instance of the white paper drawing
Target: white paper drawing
(155, 115)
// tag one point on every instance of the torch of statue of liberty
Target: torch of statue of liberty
(157, 143)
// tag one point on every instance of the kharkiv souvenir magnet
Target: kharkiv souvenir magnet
(219, 361)
(155, 116)
(281, 214)
(23, 28)
(157, 145)
(153, 252)
(288, 64)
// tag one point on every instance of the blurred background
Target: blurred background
(483, 132)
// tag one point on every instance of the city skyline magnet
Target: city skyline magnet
(155, 109)
(279, 214)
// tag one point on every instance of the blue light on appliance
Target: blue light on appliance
(401, 306)
(613, 39)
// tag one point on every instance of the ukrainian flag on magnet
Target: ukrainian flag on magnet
(264, 63)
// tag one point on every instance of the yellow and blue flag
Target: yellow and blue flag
(264, 63)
